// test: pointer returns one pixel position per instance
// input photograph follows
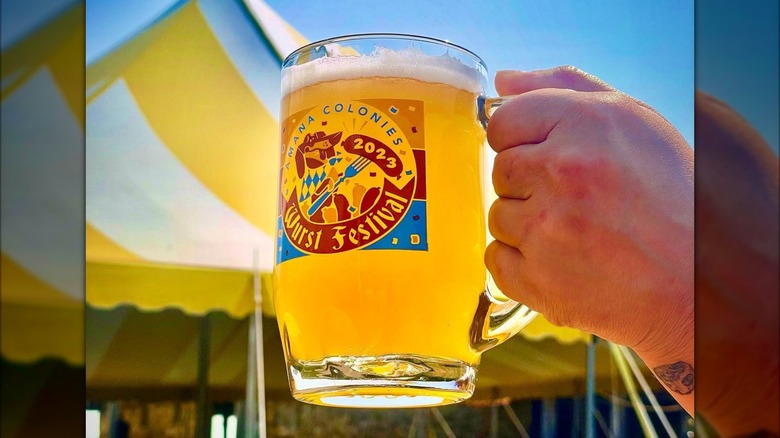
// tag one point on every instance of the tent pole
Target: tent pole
(112, 413)
(202, 428)
(493, 421)
(590, 388)
(250, 401)
(648, 392)
(443, 423)
(413, 427)
(239, 410)
(636, 401)
(549, 420)
(516, 421)
(616, 410)
(260, 361)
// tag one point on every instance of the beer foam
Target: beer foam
(411, 64)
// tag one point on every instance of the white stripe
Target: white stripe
(273, 26)
(42, 186)
(253, 58)
(140, 195)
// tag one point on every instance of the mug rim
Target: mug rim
(384, 35)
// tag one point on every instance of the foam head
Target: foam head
(412, 64)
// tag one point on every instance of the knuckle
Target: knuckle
(511, 168)
(618, 103)
(589, 108)
(548, 225)
(508, 168)
(614, 105)
(502, 170)
(601, 109)
(568, 74)
(565, 168)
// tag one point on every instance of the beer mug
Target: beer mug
(379, 282)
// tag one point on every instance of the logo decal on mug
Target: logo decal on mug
(353, 178)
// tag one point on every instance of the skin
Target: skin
(736, 273)
(594, 229)
(595, 217)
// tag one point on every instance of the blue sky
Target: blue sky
(642, 48)
(736, 55)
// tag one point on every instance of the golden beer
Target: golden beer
(381, 230)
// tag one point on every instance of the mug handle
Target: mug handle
(498, 317)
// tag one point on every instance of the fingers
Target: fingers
(529, 118)
(506, 265)
(510, 221)
(516, 171)
(510, 82)
(542, 99)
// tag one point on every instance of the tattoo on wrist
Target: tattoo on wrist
(677, 376)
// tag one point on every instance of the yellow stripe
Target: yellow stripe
(202, 109)
(67, 67)
(32, 332)
(196, 290)
(28, 55)
(19, 286)
(107, 69)
(37, 320)
(540, 328)
(143, 360)
(230, 339)
(100, 247)
(100, 330)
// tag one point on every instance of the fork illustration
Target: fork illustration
(356, 167)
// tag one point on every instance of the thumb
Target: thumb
(509, 82)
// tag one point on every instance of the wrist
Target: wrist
(668, 350)
(670, 338)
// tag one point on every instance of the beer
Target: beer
(381, 228)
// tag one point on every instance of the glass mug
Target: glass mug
(379, 282)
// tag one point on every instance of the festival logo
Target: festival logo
(353, 177)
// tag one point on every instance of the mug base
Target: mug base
(391, 381)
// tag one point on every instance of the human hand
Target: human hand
(594, 220)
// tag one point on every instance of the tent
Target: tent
(42, 199)
(153, 356)
(181, 140)
(181, 166)
(180, 128)
(41, 264)
(174, 213)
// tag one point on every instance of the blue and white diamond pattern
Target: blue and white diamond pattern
(311, 180)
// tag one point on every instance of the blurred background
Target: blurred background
(164, 148)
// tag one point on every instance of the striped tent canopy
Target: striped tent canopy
(153, 356)
(41, 264)
(181, 124)
(42, 284)
(180, 171)
(182, 130)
